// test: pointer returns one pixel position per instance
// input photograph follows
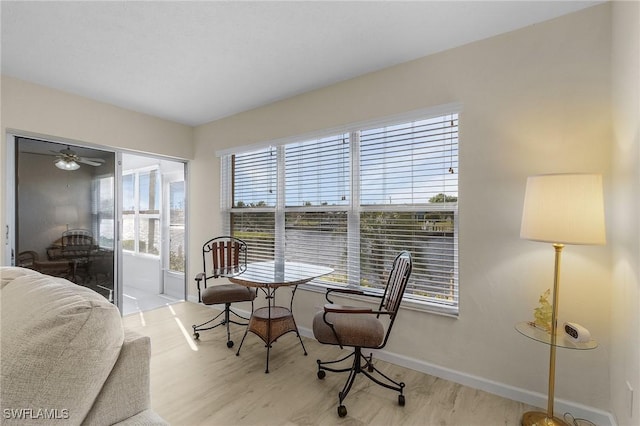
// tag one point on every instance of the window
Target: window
(176, 226)
(352, 200)
(141, 212)
(103, 200)
(254, 200)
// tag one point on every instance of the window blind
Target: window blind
(254, 179)
(317, 172)
(257, 229)
(352, 201)
(409, 163)
(409, 193)
(254, 196)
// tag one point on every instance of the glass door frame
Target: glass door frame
(10, 209)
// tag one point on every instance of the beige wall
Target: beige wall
(625, 229)
(36, 110)
(534, 101)
(50, 112)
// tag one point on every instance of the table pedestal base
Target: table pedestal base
(269, 323)
(539, 418)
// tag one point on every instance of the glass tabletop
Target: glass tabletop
(562, 341)
(272, 273)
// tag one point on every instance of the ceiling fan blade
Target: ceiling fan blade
(90, 161)
(95, 160)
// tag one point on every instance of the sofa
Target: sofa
(65, 357)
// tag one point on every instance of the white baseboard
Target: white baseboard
(535, 399)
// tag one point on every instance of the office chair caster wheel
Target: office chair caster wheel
(321, 374)
(342, 410)
(230, 344)
(401, 400)
(196, 336)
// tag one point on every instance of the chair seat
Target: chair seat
(359, 330)
(227, 293)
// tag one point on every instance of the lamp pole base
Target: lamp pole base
(538, 418)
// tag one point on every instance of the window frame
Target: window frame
(139, 214)
(353, 209)
(98, 214)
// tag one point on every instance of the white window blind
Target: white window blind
(317, 172)
(409, 193)
(409, 163)
(352, 201)
(317, 188)
(254, 179)
(257, 229)
(318, 238)
(254, 197)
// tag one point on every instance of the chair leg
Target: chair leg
(322, 366)
(359, 365)
(225, 321)
(200, 327)
(391, 384)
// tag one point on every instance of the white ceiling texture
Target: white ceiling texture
(195, 62)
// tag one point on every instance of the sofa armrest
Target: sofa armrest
(126, 391)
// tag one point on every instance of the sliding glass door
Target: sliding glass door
(65, 209)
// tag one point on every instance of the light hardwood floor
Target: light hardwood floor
(205, 383)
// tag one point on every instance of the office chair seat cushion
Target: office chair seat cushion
(361, 330)
(227, 293)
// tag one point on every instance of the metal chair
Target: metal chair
(26, 259)
(361, 327)
(77, 245)
(222, 257)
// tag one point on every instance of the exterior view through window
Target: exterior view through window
(352, 201)
(141, 212)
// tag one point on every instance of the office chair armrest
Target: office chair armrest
(349, 291)
(342, 309)
(343, 291)
(199, 277)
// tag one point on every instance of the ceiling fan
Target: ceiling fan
(67, 159)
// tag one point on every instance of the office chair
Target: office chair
(361, 328)
(222, 257)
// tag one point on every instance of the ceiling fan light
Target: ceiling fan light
(63, 164)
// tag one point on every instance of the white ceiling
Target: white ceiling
(194, 62)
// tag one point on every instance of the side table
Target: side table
(538, 334)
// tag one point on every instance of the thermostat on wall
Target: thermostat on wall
(576, 332)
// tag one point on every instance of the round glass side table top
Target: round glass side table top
(528, 329)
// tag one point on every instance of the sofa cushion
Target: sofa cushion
(10, 273)
(116, 401)
(58, 342)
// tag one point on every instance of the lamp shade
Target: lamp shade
(63, 164)
(564, 209)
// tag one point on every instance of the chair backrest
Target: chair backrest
(77, 240)
(224, 257)
(396, 285)
(26, 258)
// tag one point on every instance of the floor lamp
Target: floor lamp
(561, 209)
